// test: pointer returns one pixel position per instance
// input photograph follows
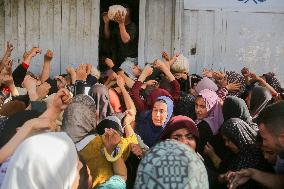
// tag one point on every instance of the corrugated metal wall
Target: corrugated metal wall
(68, 27)
(229, 38)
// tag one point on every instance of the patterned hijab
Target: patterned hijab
(79, 118)
(100, 94)
(234, 107)
(214, 109)
(171, 164)
(273, 81)
(150, 133)
(234, 77)
(244, 137)
(260, 97)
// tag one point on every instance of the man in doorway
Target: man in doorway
(122, 37)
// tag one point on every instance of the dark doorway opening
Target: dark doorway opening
(107, 47)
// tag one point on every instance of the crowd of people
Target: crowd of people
(129, 127)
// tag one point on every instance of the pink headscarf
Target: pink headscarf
(213, 105)
(205, 83)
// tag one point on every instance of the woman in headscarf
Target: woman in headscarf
(150, 124)
(182, 129)
(234, 107)
(209, 115)
(46, 160)
(260, 97)
(171, 164)
(100, 94)
(79, 120)
(240, 139)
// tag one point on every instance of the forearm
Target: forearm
(8, 149)
(14, 90)
(52, 113)
(45, 71)
(119, 168)
(125, 37)
(128, 100)
(169, 74)
(267, 86)
(134, 93)
(129, 82)
(175, 92)
(268, 180)
(106, 31)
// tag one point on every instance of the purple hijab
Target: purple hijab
(206, 83)
(215, 116)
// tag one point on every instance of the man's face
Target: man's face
(272, 141)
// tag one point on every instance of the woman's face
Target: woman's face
(200, 108)
(183, 135)
(229, 144)
(159, 113)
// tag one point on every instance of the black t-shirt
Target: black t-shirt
(129, 49)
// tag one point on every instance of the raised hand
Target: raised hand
(233, 87)
(120, 17)
(62, 99)
(136, 150)
(120, 81)
(165, 56)
(245, 72)
(111, 138)
(81, 72)
(35, 51)
(207, 73)
(105, 18)
(9, 49)
(48, 56)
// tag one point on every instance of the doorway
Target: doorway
(108, 48)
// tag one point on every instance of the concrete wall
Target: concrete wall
(68, 27)
(229, 35)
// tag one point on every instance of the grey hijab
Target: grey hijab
(79, 118)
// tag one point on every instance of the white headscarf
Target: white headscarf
(43, 161)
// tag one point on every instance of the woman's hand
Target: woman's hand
(111, 138)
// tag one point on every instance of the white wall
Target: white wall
(68, 27)
(234, 34)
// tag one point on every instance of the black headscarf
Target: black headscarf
(235, 107)
(244, 137)
(273, 81)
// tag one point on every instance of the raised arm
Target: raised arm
(120, 18)
(46, 66)
(140, 104)
(106, 25)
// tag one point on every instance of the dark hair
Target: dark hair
(273, 117)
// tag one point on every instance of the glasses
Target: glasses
(179, 137)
